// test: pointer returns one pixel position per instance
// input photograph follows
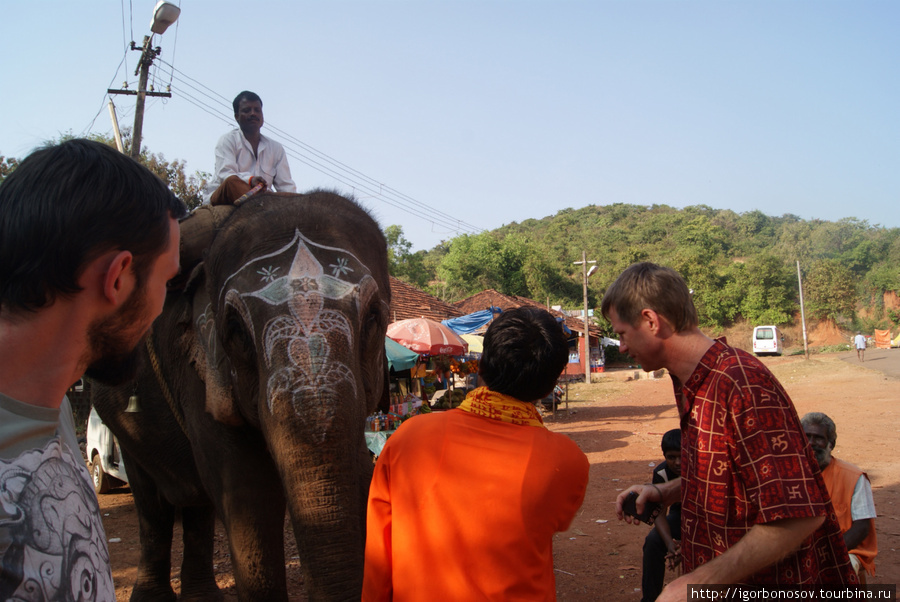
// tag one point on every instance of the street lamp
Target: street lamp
(164, 14)
(587, 334)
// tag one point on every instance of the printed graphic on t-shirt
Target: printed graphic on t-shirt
(52, 542)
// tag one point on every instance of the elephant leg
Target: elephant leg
(242, 480)
(256, 539)
(198, 580)
(156, 520)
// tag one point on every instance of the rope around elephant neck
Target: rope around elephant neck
(154, 361)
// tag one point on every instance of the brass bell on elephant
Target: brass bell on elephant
(133, 404)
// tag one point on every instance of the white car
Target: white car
(106, 462)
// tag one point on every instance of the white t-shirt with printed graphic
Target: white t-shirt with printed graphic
(52, 542)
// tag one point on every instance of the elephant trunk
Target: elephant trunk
(319, 448)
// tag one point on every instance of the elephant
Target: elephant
(253, 390)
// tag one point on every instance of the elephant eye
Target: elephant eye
(237, 340)
(375, 324)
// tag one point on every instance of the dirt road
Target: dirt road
(618, 424)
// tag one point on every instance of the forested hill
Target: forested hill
(740, 265)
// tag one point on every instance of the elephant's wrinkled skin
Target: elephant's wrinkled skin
(272, 357)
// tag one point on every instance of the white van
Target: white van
(106, 462)
(767, 340)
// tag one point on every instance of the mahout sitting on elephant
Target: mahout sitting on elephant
(256, 383)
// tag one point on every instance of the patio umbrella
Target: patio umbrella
(427, 337)
(398, 356)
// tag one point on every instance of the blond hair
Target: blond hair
(646, 285)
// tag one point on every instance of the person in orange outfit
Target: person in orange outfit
(850, 491)
(464, 504)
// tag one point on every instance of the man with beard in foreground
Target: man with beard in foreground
(88, 240)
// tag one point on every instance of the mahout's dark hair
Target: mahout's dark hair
(67, 204)
(245, 95)
(525, 351)
(671, 441)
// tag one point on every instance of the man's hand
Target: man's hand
(673, 557)
(646, 493)
(664, 493)
(259, 180)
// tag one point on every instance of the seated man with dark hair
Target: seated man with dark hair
(464, 503)
(850, 491)
(661, 544)
(245, 158)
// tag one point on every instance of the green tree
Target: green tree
(7, 165)
(829, 290)
(471, 265)
(763, 288)
(402, 262)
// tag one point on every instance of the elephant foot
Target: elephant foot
(153, 594)
(216, 596)
(210, 593)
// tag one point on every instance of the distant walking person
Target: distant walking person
(860, 342)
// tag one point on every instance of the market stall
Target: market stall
(439, 347)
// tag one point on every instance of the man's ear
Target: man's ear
(658, 324)
(651, 318)
(118, 280)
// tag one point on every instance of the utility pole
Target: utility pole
(164, 14)
(148, 53)
(802, 314)
(586, 352)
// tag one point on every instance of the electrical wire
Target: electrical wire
(218, 106)
(175, 43)
(124, 37)
(105, 95)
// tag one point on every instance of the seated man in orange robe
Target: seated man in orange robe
(464, 503)
(850, 491)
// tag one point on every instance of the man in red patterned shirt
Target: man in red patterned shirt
(754, 507)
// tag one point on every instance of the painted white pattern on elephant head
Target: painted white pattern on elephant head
(206, 333)
(307, 344)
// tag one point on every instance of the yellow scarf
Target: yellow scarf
(490, 404)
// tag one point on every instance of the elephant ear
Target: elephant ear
(210, 361)
(376, 373)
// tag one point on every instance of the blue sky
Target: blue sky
(448, 117)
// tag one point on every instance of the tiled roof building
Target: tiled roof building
(409, 302)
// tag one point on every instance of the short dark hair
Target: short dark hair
(65, 205)
(818, 418)
(671, 441)
(245, 95)
(525, 351)
(646, 285)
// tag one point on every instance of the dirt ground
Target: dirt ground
(618, 422)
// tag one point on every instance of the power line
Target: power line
(219, 107)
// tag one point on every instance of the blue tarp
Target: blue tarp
(471, 322)
(399, 357)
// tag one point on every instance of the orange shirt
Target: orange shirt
(840, 480)
(464, 507)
